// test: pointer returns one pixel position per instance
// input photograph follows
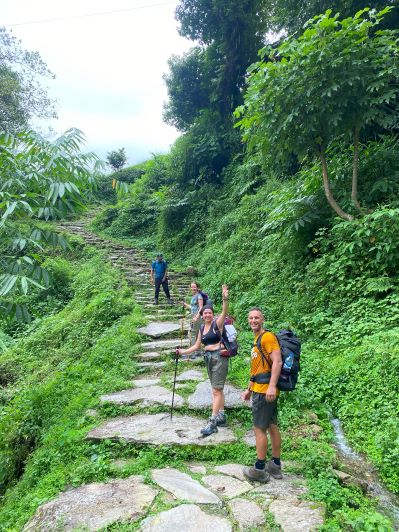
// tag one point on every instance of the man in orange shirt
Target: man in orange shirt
(265, 370)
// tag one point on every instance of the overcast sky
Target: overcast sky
(108, 67)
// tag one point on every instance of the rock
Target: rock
(163, 344)
(152, 365)
(246, 513)
(294, 515)
(91, 412)
(148, 396)
(190, 375)
(187, 517)
(233, 470)
(159, 328)
(183, 486)
(227, 486)
(350, 480)
(159, 429)
(149, 355)
(197, 468)
(94, 506)
(141, 383)
(202, 397)
(249, 438)
(290, 486)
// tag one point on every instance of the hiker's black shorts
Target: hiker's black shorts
(264, 413)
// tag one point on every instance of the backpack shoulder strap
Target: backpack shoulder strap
(216, 329)
(264, 356)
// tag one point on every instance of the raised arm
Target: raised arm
(225, 307)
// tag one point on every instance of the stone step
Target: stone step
(163, 344)
(151, 365)
(94, 506)
(202, 397)
(156, 329)
(146, 396)
(159, 429)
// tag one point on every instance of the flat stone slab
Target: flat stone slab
(152, 365)
(163, 344)
(247, 514)
(187, 517)
(149, 355)
(202, 397)
(190, 375)
(148, 396)
(142, 383)
(182, 486)
(249, 438)
(227, 486)
(197, 468)
(290, 486)
(159, 429)
(294, 515)
(233, 470)
(159, 328)
(94, 506)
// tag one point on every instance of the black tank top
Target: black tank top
(211, 337)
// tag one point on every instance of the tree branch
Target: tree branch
(327, 189)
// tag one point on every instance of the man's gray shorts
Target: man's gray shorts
(217, 368)
(264, 413)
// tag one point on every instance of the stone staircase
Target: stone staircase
(198, 497)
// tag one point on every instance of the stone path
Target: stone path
(195, 497)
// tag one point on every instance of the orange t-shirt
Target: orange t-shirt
(269, 343)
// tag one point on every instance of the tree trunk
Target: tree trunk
(327, 189)
(355, 167)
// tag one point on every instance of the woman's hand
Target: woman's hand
(225, 292)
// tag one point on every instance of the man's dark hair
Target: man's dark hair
(256, 308)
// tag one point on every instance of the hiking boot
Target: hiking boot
(156, 301)
(260, 475)
(170, 301)
(274, 470)
(210, 428)
(221, 420)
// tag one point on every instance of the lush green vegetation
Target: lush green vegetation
(249, 211)
(55, 371)
(259, 219)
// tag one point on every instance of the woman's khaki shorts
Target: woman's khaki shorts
(217, 368)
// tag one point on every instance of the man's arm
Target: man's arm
(166, 272)
(277, 363)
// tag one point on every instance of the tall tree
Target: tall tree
(336, 79)
(117, 159)
(189, 88)
(22, 95)
(233, 31)
(290, 16)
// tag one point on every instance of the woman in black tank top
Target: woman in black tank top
(210, 336)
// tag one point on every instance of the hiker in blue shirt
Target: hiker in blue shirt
(159, 276)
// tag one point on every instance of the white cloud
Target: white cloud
(109, 68)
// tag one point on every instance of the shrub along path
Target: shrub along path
(197, 496)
